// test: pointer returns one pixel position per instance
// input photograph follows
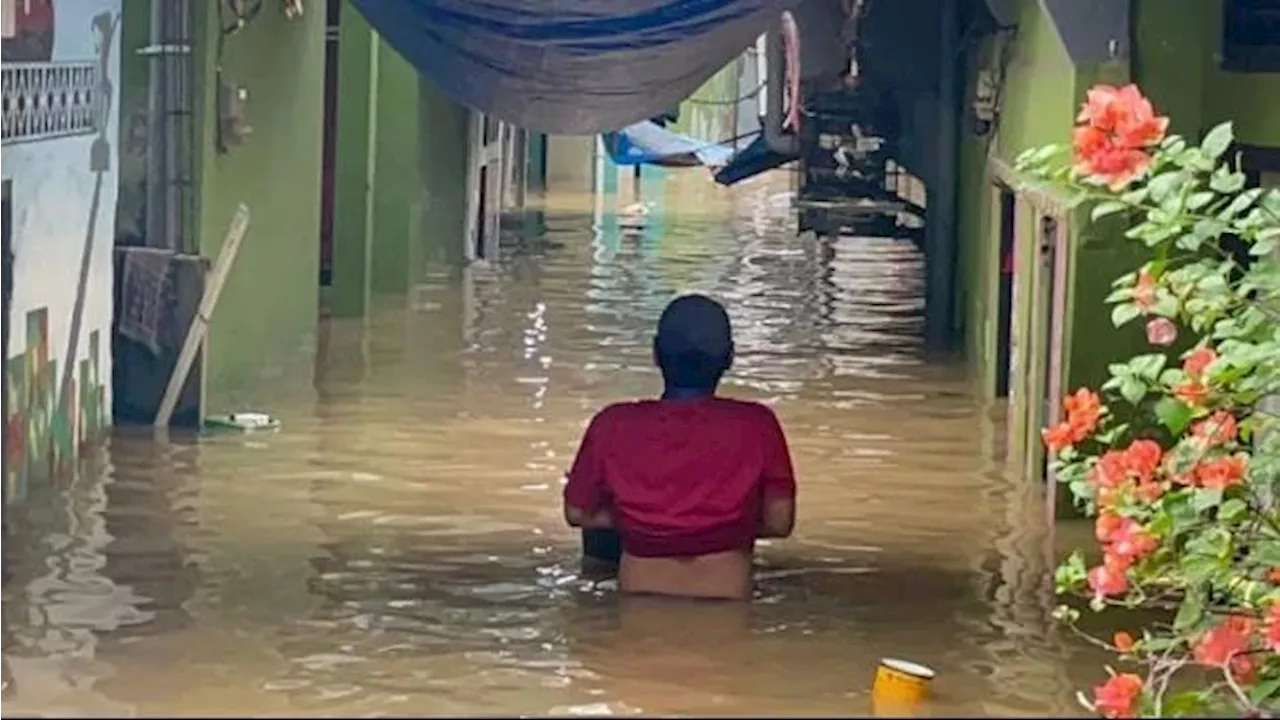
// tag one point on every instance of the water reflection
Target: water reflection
(397, 549)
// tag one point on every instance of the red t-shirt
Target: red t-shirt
(682, 477)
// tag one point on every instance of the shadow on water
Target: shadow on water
(397, 548)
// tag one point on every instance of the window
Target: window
(1251, 35)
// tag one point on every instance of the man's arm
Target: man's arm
(777, 482)
(777, 518)
(585, 502)
(598, 520)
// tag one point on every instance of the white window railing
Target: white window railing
(49, 100)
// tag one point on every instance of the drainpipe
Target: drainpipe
(156, 233)
(168, 107)
(774, 92)
(940, 230)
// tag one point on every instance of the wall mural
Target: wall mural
(59, 124)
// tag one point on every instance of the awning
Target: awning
(575, 67)
(647, 143)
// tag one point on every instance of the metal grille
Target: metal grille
(49, 100)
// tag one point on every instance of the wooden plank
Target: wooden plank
(199, 329)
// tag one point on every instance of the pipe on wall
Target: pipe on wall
(169, 108)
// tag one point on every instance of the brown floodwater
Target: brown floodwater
(397, 547)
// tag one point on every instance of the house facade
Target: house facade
(59, 165)
(1033, 273)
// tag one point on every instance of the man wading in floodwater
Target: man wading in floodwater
(678, 489)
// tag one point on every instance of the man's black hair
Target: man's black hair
(694, 343)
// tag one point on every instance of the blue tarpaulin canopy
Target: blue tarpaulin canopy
(648, 143)
(570, 66)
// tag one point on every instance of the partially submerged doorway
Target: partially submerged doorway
(1006, 206)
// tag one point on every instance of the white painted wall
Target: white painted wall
(53, 180)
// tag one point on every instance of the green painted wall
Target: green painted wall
(131, 200)
(400, 171)
(263, 328)
(1037, 108)
(397, 173)
(1041, 92)
(265, 321)
(354, 165)
(443, 158)
(1176, 42)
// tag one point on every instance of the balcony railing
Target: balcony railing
(47, 100)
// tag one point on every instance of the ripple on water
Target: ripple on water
(398, 547)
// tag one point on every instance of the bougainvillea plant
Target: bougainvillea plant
(1177, 455)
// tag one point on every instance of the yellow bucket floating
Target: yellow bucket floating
(900, 686)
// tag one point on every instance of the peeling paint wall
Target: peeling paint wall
(59, 164)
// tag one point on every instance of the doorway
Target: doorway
(1006, 217)
(1048, 236)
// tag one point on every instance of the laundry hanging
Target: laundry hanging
(573, 67)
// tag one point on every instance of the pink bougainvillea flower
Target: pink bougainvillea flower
(1142, 459)
(1191, 392)
(1123, 641)
(1221, 473)
(1161, 332)
(1117, 126)
(1197, 361)
(1110, 578)
(1225, 646)
(1118, 696)
(1217, 429)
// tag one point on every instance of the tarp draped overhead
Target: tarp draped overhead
(573, 67)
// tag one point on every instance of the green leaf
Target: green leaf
(1148, 366)
(1240, 203)
(1266, 553)
(1226, 181)
(1190, 611)
(1189, 703)
(1264, 247)
(1173, 414)
(1264, 691)
(1200, 199)
(1105, 208)
(1206, 498)
(1071, 574)
(1133, 390)
(1134, 197)
(1123, 313)
(1233, 509)
(1217, 141)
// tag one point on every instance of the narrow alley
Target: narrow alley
(398, 548)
